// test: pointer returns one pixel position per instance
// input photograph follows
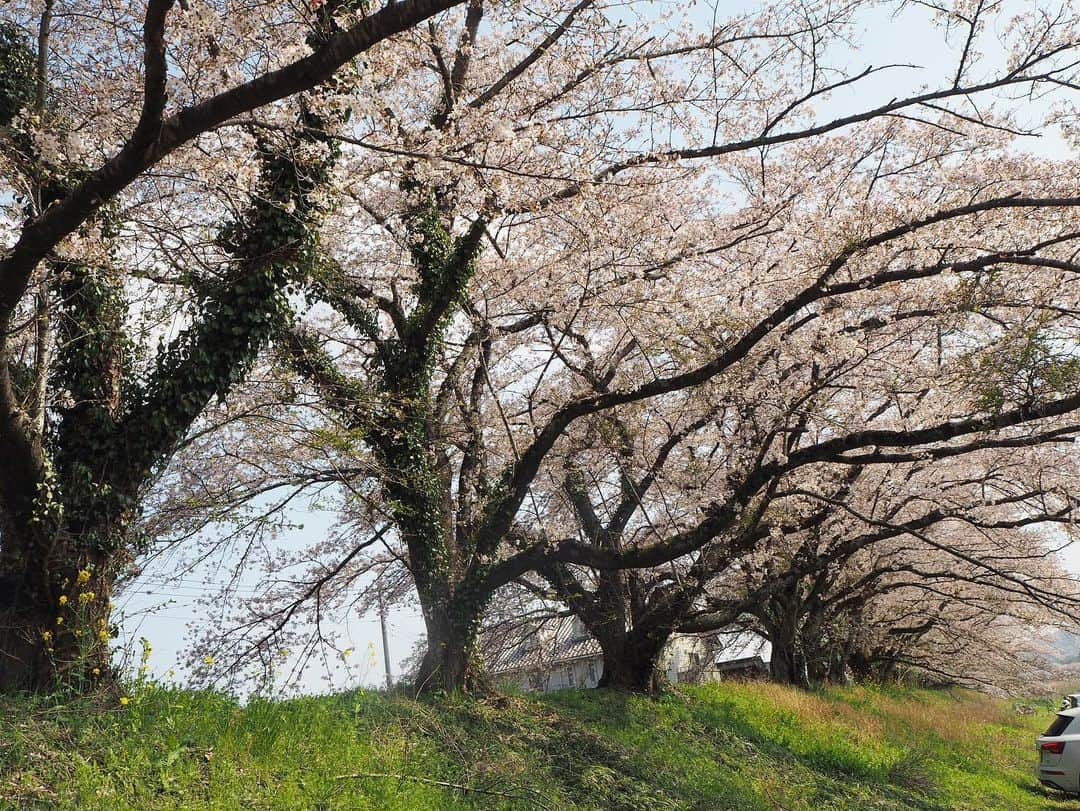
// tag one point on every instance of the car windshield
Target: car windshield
(1058, 726)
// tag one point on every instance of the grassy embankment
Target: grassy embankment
(744, 746)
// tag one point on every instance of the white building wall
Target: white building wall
(684, 659)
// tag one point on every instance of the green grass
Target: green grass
(738, 746)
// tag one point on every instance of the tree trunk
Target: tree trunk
(861, 665)
(452, 661)
(787, 665)
(837, 670)
(25, 664)
(54, 626)
(632, 662)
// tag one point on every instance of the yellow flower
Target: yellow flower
(208, 660)
(96, 671)
(59, 620)
(84, 576)
(63, 599)
(86, 597)
(124, 701)
(46, 635)
(284, 651)
(347, 652)
(103, 635)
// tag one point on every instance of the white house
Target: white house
(558, 653)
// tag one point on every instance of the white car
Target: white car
(1059, 752)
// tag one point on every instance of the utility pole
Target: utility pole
(385, 638)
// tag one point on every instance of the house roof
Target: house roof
(557, 641)
(745, 662)
(554, 641)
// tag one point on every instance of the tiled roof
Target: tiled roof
(553, 641)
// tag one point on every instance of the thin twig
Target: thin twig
(444, 783)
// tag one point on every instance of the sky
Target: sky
(163, 608)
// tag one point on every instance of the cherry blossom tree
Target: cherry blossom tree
(549, 219)
(890, 561)
(826, 542)
(122, 148)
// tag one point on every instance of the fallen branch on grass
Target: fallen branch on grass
(444, 783)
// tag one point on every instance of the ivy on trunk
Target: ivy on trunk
(69, 498)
